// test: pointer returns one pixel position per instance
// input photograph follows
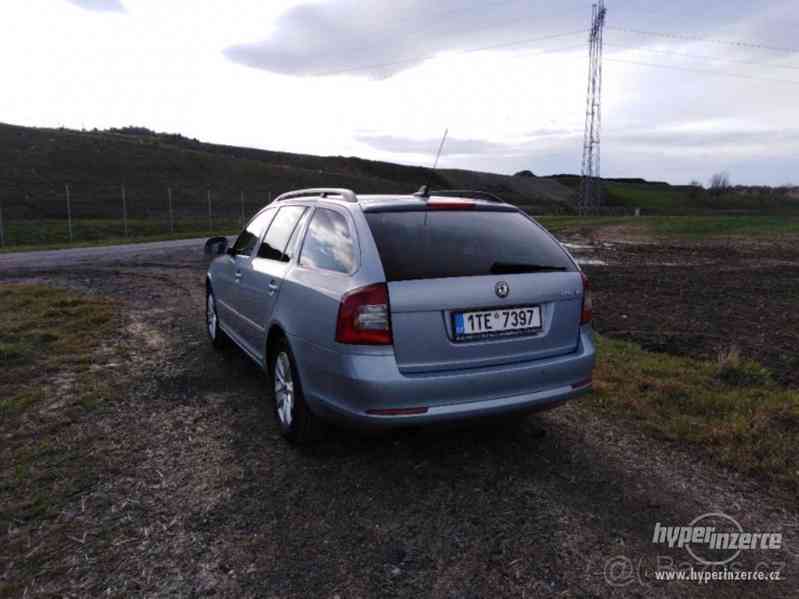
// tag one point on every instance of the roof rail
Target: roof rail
(466, 193)
(346, 194)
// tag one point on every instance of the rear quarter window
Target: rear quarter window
(328, 243)
(441, 244)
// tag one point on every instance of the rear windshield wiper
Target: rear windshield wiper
(509, 268)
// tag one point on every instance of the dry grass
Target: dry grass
(48, 338)
(50, 341)
(728, 408)
(737, 371)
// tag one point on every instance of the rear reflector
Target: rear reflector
(450, 205)
(583, 383)
(588, 307)
(397, 411)
(363, 317)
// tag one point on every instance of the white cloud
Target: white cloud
(100, 5)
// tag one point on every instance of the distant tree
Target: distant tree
(719, 184)
(524, 173)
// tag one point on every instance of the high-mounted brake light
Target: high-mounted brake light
(588, 308)
(363, 317)
(449, 205)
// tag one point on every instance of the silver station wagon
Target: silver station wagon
(385, 310)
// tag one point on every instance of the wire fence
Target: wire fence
(46, 213)
(42, 212)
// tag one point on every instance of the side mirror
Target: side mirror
(216, 246)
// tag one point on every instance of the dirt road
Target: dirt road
(194, 493)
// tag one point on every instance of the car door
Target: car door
(228, 277)
(262, 276)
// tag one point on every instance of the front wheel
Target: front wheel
(297, 423)
(215, 334)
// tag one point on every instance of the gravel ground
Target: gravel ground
(196, 494)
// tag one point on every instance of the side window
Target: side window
(274, 244)
(328, 243)
(252, 233)
(295, 242)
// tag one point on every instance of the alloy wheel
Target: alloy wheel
(284, 389)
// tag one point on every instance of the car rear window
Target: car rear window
(439, 244)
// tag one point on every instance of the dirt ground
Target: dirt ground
(194, 493)
(699, 298)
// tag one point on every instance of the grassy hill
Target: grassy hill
(37, 163)
(661, 198)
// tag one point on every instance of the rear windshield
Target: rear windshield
(438, 244)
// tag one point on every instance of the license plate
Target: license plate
(521, 319)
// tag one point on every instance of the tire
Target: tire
(296, 421)
(217, 336)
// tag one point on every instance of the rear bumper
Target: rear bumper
(347, 387)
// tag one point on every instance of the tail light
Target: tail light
(363, 317)
(398, 411)
(583, 383)
(450, 205)
(588, 308)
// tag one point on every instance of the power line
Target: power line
(708, 71)
(423, 57)
(453, 11)
(538, 52)
(557, 50)
(680, 36)
(706, 57)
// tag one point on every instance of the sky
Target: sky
(715, 90)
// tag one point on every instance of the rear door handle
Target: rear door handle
(272, 287)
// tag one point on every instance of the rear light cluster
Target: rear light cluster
(450, 205)
(588, 308)
(363, 317)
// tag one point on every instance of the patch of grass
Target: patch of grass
(737, 371)
(19, 402)
(45, 332)
(680, 227)
(49, 340)
(727, 408)
(700, 227)
(575, 224)
(651, 198)
(662, 199)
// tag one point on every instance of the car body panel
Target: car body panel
(345, 386)
(422, 315)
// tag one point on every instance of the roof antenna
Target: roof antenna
(424, 190)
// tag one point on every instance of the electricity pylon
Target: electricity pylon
(590, 196)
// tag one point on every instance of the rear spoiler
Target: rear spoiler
(471, 194)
